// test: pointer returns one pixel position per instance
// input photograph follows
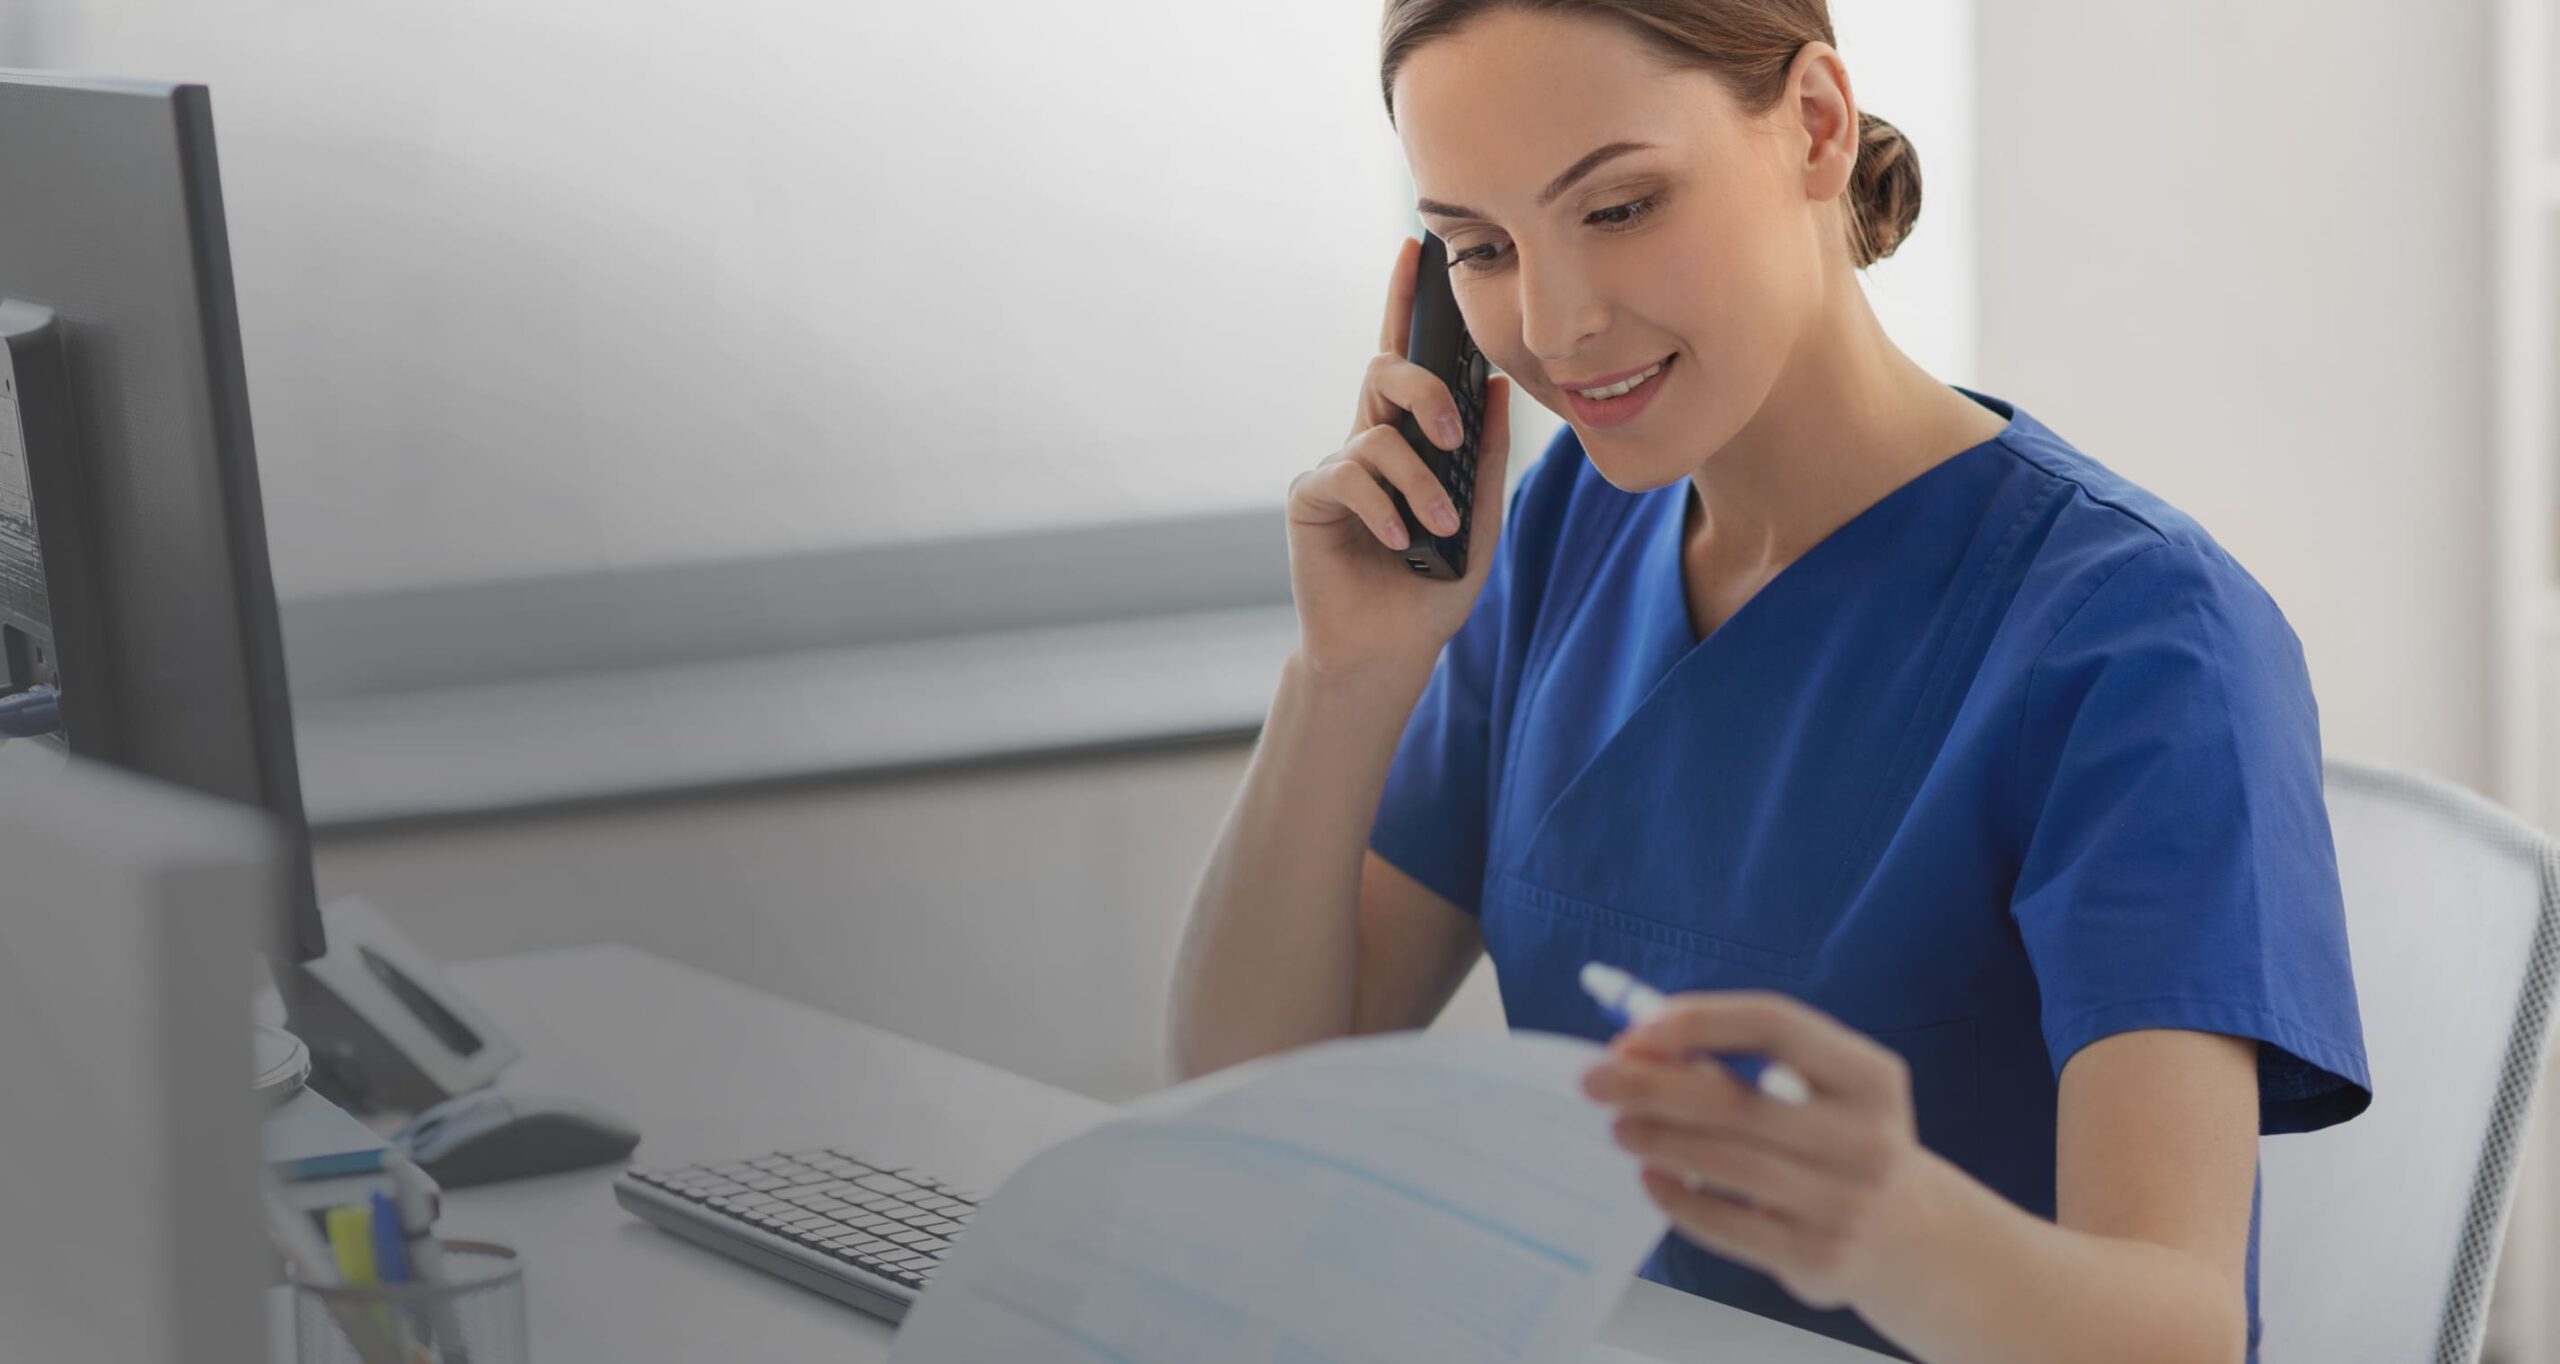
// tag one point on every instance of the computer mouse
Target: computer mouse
(488, 1136)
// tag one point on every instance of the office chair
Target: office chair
(2378, 1239)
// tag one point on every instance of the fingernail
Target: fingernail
(1451, 433)
(1396, 537)
(1445, 517)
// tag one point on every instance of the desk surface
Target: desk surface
(710, 1069)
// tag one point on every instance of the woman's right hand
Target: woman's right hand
(1359, 605)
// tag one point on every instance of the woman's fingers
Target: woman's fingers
(1707, 1099)
(1744, 1234)
(1394, 386)
(1839, 1062)
(1383, 449)
(1770, 1180)
(1341, 487)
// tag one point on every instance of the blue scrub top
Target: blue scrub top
(2015, 759)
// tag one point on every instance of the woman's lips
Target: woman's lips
(1603, 413)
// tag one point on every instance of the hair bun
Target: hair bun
(1884, 191)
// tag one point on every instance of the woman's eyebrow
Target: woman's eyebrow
(1589, 163)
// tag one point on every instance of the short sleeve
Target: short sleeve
(2177, 869)
(1433, 817)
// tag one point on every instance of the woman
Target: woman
(1914, 747)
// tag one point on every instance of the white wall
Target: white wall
(533, 286)
(2240, 253)
(541, 285)
(1911, 63)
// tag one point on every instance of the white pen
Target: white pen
(1631, 1001)
(416, 1195)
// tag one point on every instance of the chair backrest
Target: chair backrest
(2378, 1238)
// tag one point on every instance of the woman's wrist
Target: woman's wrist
(1384, 678)
(1964, 1273)
(1930, 1202)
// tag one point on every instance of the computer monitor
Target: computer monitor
(133, 553)
(129, 912)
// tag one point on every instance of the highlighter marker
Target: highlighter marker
(1630, 1001)
(351, 1238)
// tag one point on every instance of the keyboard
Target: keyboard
(862, 1232)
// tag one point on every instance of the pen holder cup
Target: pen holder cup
(473, 1313)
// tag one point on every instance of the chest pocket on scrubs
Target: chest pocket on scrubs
(1946, 1086)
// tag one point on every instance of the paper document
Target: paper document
(1381, 1200)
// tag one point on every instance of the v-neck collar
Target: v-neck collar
(1668, 530)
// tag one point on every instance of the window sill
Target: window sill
(454, 751)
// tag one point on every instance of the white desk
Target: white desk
(707, 1069)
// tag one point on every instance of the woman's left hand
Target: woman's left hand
(1825, 1196)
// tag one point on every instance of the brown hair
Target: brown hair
(1750, 44)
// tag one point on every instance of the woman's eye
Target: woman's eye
(1480, 259)
(1635, 212)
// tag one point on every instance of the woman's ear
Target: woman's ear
(1827, 111)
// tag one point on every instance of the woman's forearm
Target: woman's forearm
(1270, 957)
(1987, 1282)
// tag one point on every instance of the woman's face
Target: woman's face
(1705, 247)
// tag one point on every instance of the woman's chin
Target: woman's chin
(1633, 476)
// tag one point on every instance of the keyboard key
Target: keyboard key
(887, 1184)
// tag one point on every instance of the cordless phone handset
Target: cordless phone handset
(1439, 343)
